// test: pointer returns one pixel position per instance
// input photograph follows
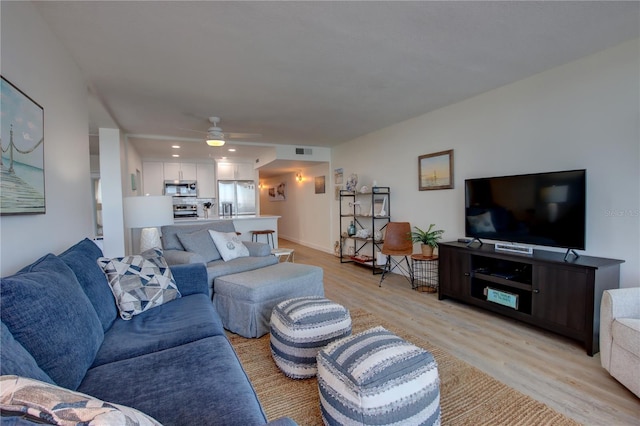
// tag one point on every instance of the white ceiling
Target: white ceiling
(313, 73)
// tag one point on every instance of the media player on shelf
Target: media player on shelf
(513, 248)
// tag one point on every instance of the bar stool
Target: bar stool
(267, 232)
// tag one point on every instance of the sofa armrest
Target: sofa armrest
(191, 278)
(616, 303)
(257, 249)
(180, 257)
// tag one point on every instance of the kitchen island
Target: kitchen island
(243, 224)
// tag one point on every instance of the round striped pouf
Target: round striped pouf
(302, 326)
(377, 378)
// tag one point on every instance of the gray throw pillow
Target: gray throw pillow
(200, 242)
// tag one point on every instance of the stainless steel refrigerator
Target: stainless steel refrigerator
(236, 197)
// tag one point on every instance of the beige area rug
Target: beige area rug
(467, 395)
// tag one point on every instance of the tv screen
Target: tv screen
(547, 209)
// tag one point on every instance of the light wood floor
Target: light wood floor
(550, 368)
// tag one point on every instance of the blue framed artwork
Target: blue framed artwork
(22, 188)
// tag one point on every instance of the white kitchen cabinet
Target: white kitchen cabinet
(206, 177)
(180, 171)
(245, 171)
(152, 178)
(235, 171)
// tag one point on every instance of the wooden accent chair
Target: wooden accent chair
(397, 242)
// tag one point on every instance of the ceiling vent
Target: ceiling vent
(304, 151)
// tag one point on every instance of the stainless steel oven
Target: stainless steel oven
(185, 210)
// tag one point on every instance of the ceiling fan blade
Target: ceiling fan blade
(192, 130)
(234, 135)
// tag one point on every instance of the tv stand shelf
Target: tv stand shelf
(542, 289)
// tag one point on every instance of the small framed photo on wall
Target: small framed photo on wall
(435, 171)
(319, 185)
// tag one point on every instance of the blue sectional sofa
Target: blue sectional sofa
(60, 325)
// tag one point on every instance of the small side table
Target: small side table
(287, 253)
(425, 273)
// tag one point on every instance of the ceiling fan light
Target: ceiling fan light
(215, 142)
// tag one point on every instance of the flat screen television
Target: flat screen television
(547, 209)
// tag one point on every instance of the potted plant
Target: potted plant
(206, 206)
(428, 238)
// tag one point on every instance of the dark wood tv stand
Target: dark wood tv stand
(540, 289)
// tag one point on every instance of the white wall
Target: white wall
(584, 114)
(38, 64)
(305, 216)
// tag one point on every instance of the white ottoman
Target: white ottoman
(300, 327)
(377, 378)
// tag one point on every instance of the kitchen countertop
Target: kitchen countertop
(217, 218)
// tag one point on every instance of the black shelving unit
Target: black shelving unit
(367, 210)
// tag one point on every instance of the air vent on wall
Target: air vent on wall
(304, 151)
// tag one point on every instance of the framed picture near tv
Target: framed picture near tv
(435, 171)
(22, 157)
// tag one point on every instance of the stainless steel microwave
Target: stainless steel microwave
(181, 188)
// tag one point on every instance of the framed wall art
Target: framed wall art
(319, 185)
(435, 171)
(278, 193)
(22, 160)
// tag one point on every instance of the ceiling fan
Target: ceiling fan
(215, 136)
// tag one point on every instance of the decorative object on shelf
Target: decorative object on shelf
(364, 189)
(379, 207)
(362, 258)
(428, 238)
(352, 182)
(435, 171)
(356, 207)
(374, 184)
(363, 233)
(23, 166)
(352, 229)
(377, 235)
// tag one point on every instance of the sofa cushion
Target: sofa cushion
(182, 321)
(170, 233)
(140, 282)
(229, 245)
(45, 402)
(46, 310)
(201, 381)
(200, 242)
(81, 258)
(14, 359)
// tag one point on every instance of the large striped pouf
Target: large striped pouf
(300, 327)
(377, 378)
